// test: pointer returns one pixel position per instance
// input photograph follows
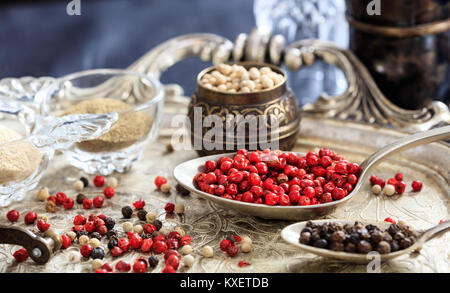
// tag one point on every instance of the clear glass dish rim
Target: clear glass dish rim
(56, 85)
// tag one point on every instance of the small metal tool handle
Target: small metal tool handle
(38, 248)
(434, 232)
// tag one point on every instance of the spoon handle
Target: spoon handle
(434, 232)
(405, 143)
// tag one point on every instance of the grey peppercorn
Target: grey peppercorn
(321, 243)
(305, 237)
(141, 215)
(112, 243)
(157, 224)
(153, 261)
(81, 233)
(80, 198)
(96, 235)
(98, 252)
(110, 223)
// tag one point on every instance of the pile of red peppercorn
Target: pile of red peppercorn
(278, 178)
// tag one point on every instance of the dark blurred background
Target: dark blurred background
(38, 38)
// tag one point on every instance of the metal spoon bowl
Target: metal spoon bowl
(184, 174)
(291, 234)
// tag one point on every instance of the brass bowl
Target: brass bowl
(278, 102)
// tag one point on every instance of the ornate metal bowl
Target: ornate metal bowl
(278, 102)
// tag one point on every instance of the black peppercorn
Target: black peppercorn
(315, 236)
(85, 181)
(141, 214)
(305, 237)
(110, 223)
(98, 252)
(338, 236)
(405, 243)
(183, 191)
(112, 243)
(96, 235)
(399, 236)
(80, 198)
(337, 246)
(393, 229)
(157, 224)
(146, 236)
(359, 225)
(364, 246)
(81, 233)
(321, 243)
(307, 229)
(350, 247)
(383, 247)
(348, 228)
(127, 212)
(153, 261)
(394, 246)
(377, 236)
(387, 237)
(111, 234)
(354, 238)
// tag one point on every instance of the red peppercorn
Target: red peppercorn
(159, 238)
(147, 245)
(139, 266)
(224, 244)
(243, 263)
(169, 208)
(416, 185)
(60, 198)
(168, 270)
(77, 228)
(99, 180)
(107, 266)
(338, 193)
(210, 166)
(140, 204)
(30, 217)
(123, 244)
(232, 249)
(90, 226)
(12, 215)
(373, 179)
(21, 255)
(309, 191)
(390, 220)
(68, 203)
(85, 250)
(101, 271)
(271, 199)
(66, 241)
(159, 246)
(173, 261)
(160, 180)
(304, 200)
(87, 203)
(186, 240)
(400, 187)
(122, 266)
(42, 225)
(352, 179)
(136, 242)
(326, 197)
(399, 177)
(116, 251)
(98, 201)
(52, 198)
(108, 192)
(392, 181)
(173, 243)
(102, 230)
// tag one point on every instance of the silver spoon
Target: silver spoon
(291, 234)
(185, 172)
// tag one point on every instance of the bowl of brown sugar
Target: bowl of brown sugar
(138, 100)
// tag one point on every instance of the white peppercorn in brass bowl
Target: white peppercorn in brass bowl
(138, 100)
(266, 102)
(25, 156)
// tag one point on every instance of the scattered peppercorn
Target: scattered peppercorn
(99, 180)
(142, 214)
(80, 198)
(127, 212)
(21, 255)
(12, 215)
(97, 252)
(85, 181)
(153, 261)
(170, 207)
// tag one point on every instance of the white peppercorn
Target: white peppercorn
(94, 242)
(165, 188)
(389, 190)
(180, 230)
(207, 251)
(43, 194)
(266, 82)
(138, 229)
(83, 240)
(188, 260)
(254, 73)
(150, 217)
(224, 69)
(246, 239)
(246, 247)
(42, 217)
(187, 249)
(72, 235)
(179, 208)
(96, 264)
(112, 182)
(265, 70)
(127, 227)
(376, 189)
(78, 185)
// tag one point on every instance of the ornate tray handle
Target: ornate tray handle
(361, 102)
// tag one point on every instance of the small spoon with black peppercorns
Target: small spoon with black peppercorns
(358, 243)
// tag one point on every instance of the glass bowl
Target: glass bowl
(138, 100)
(24, 156)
